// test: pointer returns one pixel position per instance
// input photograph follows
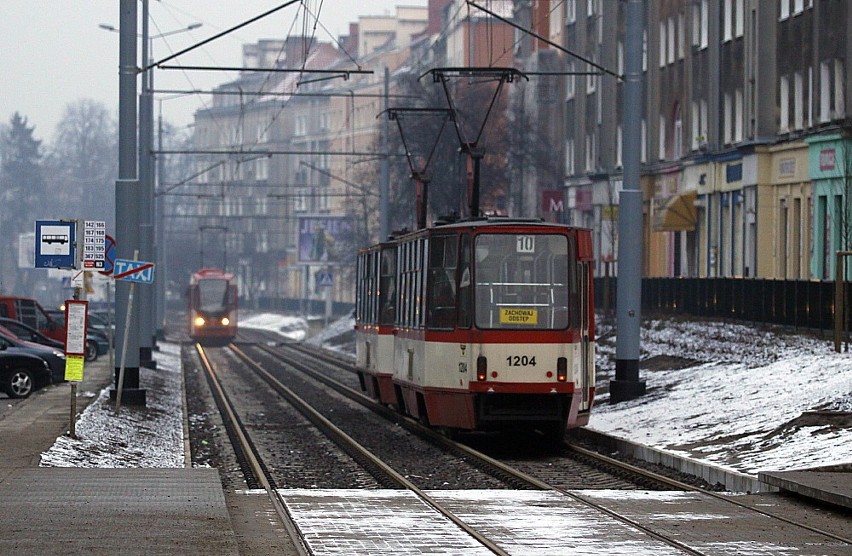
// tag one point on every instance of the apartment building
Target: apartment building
(744, 134)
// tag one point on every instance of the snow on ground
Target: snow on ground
(730, 394)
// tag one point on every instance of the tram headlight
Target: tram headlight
(226, 321)
(199, 321)
(481, 368)
(562, 369)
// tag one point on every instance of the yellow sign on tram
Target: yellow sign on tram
(518, 316)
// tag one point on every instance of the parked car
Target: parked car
(29, 334)
(55, 358)
(21, 373)
(29, 312)
(102, 321)
(97, 342)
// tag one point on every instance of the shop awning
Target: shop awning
(678, 214)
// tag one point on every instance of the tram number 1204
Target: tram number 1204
(520, 361)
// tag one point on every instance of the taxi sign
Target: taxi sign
(133, 271)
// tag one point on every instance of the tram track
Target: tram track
(504, 470)
(248, 352)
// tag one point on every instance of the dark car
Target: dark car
(21, 373)
(29, 334)
(97, 342)
(55, 358)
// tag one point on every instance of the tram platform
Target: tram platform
(65, 510)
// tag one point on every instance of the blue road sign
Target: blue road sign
(133, 271)
(325, 279)
(109, 256)
(54, 243)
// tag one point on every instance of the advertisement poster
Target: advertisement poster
(322, 237)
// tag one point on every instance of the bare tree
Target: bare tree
(83, 164)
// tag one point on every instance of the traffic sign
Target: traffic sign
(133, 271)
(54, 244)
(109, 255)
(325, 279)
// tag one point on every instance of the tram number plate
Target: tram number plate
(521, 361)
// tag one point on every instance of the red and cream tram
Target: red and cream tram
(212, 306)
(484, 324)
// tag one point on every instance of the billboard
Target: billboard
(322, 237)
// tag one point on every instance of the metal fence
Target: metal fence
(797, 303)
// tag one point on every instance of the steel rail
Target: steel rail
(246, 448)
(341, 438)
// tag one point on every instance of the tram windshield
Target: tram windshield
(212, 295)
(522, 281)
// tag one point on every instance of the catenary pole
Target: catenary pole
(626, 384)
(126, 211)
(384, 190)
(147, 308)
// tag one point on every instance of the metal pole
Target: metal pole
(160, 236)
(627, 385)
(384, 230)
(126, 210)
(145, 314)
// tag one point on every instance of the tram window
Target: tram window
(442, 282)
(522, 281)
(213, 295)
(387, 287)
(465, 283)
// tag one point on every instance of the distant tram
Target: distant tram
(212, 306)
(483, 324)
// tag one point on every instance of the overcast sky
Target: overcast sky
(53, 52)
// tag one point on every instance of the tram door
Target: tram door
(587, 378)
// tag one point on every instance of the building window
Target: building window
(591, 154)
(645, 50)
(839, 81)
(662, 43)
(677, 136)
(644, 142)
(662, 134)
(738, 115)
(591, 80)
(262, 168)
(824, 92)
(301, 125)
(810, 101)
(570, 11)
(785, 9)
(619, 146)
(798, 6)
(784, 101)
(728, 115)
(798, 101)
(739, 16)
(728, 10)
(696, 126)
(681, 36)
(569, 157)
(670, 56)
(570, 82)
(620, 58)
